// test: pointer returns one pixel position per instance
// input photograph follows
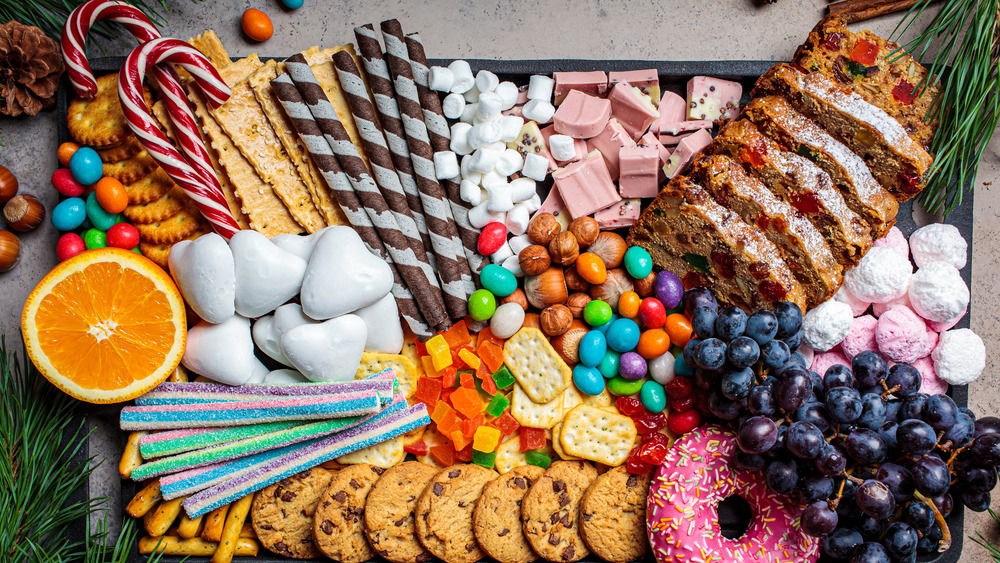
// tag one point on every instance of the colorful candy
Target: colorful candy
(122, 235)
(653, 343)
(591, 268)
(619, 386)
(623, 335)
(632, 366)
(66, 151)
(653, 397)
(628, 304)
(597, 313)
(69, 245)
(257, 25)
(69, 214)
(593, 347)
(588, 380)
(679, 329)
(94, 238)
(482, 304)
(492, 238)
(86, 166)
(98, 216)
(638, 262)
(498, 280)
(65, 184)
(668, 289)
(609, 364)
(652, 314)
(111, 195)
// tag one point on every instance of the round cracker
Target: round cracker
(173, 229)
(123, 150)
(100, 122)
(131, 169)
(160, 209)
(152, 187)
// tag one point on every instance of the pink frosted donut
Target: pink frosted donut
(861, 337)
(901, 335)
(930, 383)
(682, 516)
(896, 240)
(822, 361)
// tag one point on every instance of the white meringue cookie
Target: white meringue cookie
(939, 242)
(881, 276)
(960, 356)
(938, 292)
(826, 325)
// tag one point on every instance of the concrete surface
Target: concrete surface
(609, 29)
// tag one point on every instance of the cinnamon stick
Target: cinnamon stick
(861, 10)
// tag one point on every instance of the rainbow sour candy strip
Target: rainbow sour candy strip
(310, 454)
(171, 442)
(177, 393)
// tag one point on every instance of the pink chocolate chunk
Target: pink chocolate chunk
(901, 335)
(629, 109)
(644, 79)
(579, 144)
(673, 109)
(618, 215)
(586, 186)
(861, 337)
(594, 82)
(639, 169)
(650, 140)
(711, 98)
(554, 204)
(673, 133)
(686, 150)
(608, 142)
(581, 116)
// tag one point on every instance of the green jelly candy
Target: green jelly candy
(638, 262)
(503, 378)
(482, 304)
(621, 387)
(486, 459)
(537, 458)
(94, 238)
(597, 313)
(136, 250)
(98, 217)
(497, 405)
(653, 396)
(498, 280)
(609, 364)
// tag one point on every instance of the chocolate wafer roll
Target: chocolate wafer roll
(319, 150)
(457, 277)
(440, 138)
(417, 273)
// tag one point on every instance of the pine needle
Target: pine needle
(993, 550)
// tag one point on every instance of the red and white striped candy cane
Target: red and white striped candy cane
(202, 188)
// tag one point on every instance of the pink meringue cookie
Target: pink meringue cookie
(880, 308)
(823, 360)
(930, 383)
(858, 306)
(947, 325)
(930, 343)
(901, 335)
(896, 240)
(861, 337)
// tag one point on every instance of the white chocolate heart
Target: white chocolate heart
(221, 352)
(205, 274)
(343, 276)
(266, 276)
(284, 377)
(299, 245)
(289, 316)
(327, 351)
(267, 339)
(385, 334)
(259, 373)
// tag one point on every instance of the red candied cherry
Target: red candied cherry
(679, 387)
(630, 406)
(654, 449)
(634, 464)
(648, 423)
(683, 422)
(681, 404)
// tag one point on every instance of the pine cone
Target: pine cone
(30, 67)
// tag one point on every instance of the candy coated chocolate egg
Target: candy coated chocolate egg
(593, 346)
(588, 380)
(682, 368)
(69, 214)
(98, 216)
(66, 151)
(498, 280)
(491, 238)
(293, 4)
(668, 289)
(591, 268)
(482, 305)
(507, 320)
(69, 245)
(86, 166)
(609, 364)
(661, 368)
(621, 387)
(623, 335)
(638, 262)
(628, 304)
(653, 397)
(111, 195)
(257, 25)
(64, 183)
(597, 313)
(94, 238)
(122, 235)
(632, 366)
(652, 313)
(604, 327)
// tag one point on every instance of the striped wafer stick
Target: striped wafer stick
(418, 276)
(319, 150)
(454, 266)
(440, 137)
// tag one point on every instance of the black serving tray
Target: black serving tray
(674, 75)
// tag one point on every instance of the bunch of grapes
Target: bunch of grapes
(871, 458)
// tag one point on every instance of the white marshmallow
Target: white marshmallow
(489, 107)
(535, 203)
(497, 146)
(939, 242)
(499, 197)
(522, 189)
(519, 243)
(938, 292)
(826, 325)
(472, 95)
(492, 177)
(500, 255)
(518, 218)
(959, 357)
(540, 88)
(446, 165)
(470, 192)
(508, 94)
(881, 276)
(468, 173)
(510, 127)
(460, 138)
(484, 160)
(562, 147)
(469, 113)
(539, 111)
(535, 167)
(513, 265)
(464, 80)
(480, 216)
(484, 134)
(486, 81)
(510, 162)
(453, 105)
(440, 78)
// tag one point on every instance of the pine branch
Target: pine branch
(993, 550)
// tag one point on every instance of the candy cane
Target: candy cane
(205, 192)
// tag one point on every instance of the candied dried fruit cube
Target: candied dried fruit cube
(486, 439)
(532, 438)
(539, 459)
(486, 459)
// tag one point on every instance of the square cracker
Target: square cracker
(557, 444)
(597, 435)
(384, 454)
(406, 372)
(534, 415)
(210, 46)
(536, 365)
(603, 400)
(509, 455)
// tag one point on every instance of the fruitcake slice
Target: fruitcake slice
(705, 244)
(870, 66)
(799, 182)
(897, 161)
(801, 245)
(794, 132)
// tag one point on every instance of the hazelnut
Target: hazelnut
(574, 281)
(644, 287)
(24, 213)
(564, 248)
(546, 289)
(543, 228)
(534, 260)
(517, 297)
(585, 230)
(576, 303)
(567, 344)
(618, 282)
(610, 247)
(556, 320)
(531, 320)
(10, 250)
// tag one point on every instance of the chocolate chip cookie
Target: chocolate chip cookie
(550, 511)
(613, 516)
(338, 526)
(497, 519)
(389, 512)
(444, 512)
(282, 514)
